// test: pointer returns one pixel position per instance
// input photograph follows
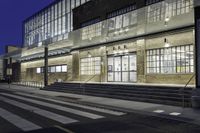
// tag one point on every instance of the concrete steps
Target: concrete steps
(152, 94)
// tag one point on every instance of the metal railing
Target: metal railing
(182, 90)
(30, 84)
(82, 84)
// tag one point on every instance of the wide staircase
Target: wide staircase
(154, 94)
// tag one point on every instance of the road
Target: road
(23, 112)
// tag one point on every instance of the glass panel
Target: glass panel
(133, 76)
(125, 77)
(58, 69)
(125, 60)
(133, 64)
(118, 76)
(64, 68)
(53, 69)
(38, 70)
(110, 76)
(117, 63)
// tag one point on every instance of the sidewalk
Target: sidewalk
(174, 112)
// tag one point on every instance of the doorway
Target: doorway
(122, 68)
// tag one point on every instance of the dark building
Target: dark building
(98, 10)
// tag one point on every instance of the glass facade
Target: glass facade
(55, 22)
(172, 60)
(122, 68)
(168, 9)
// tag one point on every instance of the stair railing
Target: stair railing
(82, 85)
(182, 90)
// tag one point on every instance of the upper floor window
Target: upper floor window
(149, 2)
(155, 12)
(121, 11)
(90, 22)
(178, 7)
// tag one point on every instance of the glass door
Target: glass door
(122, 68)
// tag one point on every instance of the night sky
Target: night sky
(12, 14)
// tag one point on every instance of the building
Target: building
(1, 68)
(129, 41)
(10, 63)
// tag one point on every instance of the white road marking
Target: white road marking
(41, 112)
(18, 121)
(58, 107)
(158, 111)
(175, 113)
(107, 111)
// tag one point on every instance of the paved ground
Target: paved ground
(31, 110)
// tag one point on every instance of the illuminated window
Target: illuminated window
(179, 59)
(64, 68)
(38, 70)
(155, 12)
(91, 31)
(149, 2)
(58, 68)
(178, 7)
(91, 66)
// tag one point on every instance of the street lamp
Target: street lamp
(46, 42)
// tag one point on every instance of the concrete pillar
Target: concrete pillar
(141, 61)
(75, 66)
(196, 92)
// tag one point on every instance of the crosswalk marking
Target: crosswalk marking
(18, 121)
(175, 113)
(158, 111)
(44, 113)
(117, 113)
(58, 107)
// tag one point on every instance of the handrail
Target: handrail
(181, 90)
(81, 84)
(30, 83)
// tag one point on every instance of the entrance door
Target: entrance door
(122, 68)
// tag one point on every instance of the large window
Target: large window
(54, 22)
(52, 69)
(167, 9)
(122, 68)
(178, 7)
(155, 12)
(179, 59)
(121, 11)
(91, 66)
(91, 31)
(149, 2)
(122, 21)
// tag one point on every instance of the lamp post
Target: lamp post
(46, 51)
(46, 65)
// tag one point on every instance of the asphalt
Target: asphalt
(138, 117)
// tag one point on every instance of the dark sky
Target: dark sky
(12, 13)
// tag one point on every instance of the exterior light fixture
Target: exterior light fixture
(127, 29)
(166, 43)
(166, 21)
(89, 55)
(121, 31)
